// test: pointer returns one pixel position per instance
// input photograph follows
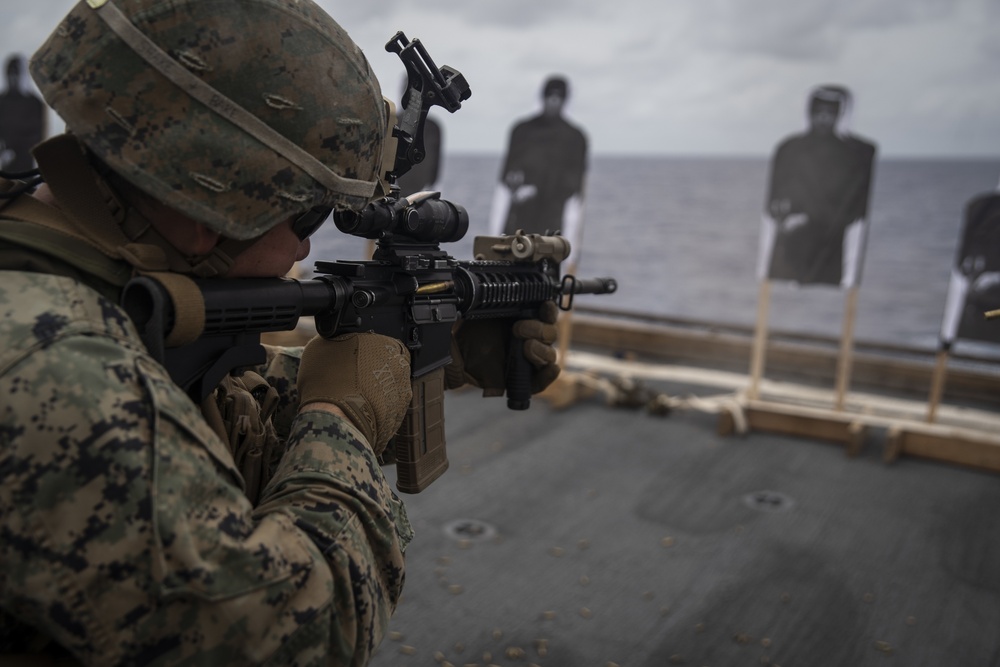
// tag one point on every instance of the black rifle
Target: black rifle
(410, 290)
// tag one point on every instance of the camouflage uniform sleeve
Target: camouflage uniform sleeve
(126, 538)
(281, 370)
(332, 484)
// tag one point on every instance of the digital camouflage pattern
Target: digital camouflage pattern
(125, 535)
(302, 76)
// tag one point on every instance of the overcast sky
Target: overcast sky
(720, 77)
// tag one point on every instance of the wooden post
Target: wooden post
(759, 340)
(564, 327)
(937, 384)
(846, 347)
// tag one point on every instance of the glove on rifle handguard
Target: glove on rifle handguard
(365, 375)
(479, 350)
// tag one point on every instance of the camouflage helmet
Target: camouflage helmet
(237, 114)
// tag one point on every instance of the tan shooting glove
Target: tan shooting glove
(365, 375)
(479, 350)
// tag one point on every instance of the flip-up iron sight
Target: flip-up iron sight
(423, 217)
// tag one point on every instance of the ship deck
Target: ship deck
(595, 536)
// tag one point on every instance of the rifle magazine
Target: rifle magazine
(420, 442)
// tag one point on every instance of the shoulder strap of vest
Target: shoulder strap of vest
(31, 210)
(32, 224)
(90, 206)
(90, 213)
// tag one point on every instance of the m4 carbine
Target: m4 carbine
(411, 290)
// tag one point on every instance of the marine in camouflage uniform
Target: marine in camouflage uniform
(126, 535)
(209, 138)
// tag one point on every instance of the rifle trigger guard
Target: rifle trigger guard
(570, 282)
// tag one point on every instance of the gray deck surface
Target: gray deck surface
(628, 539)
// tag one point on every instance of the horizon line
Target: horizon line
(941, 157)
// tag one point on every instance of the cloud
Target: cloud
(517, 14)
(23, 31)
(686, 75)
(808, 29)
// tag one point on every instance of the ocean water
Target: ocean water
(680, 234)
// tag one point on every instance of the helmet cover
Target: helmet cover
(284, 64)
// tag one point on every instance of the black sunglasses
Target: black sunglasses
(307, 223)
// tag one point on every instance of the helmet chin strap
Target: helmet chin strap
(106, 220)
